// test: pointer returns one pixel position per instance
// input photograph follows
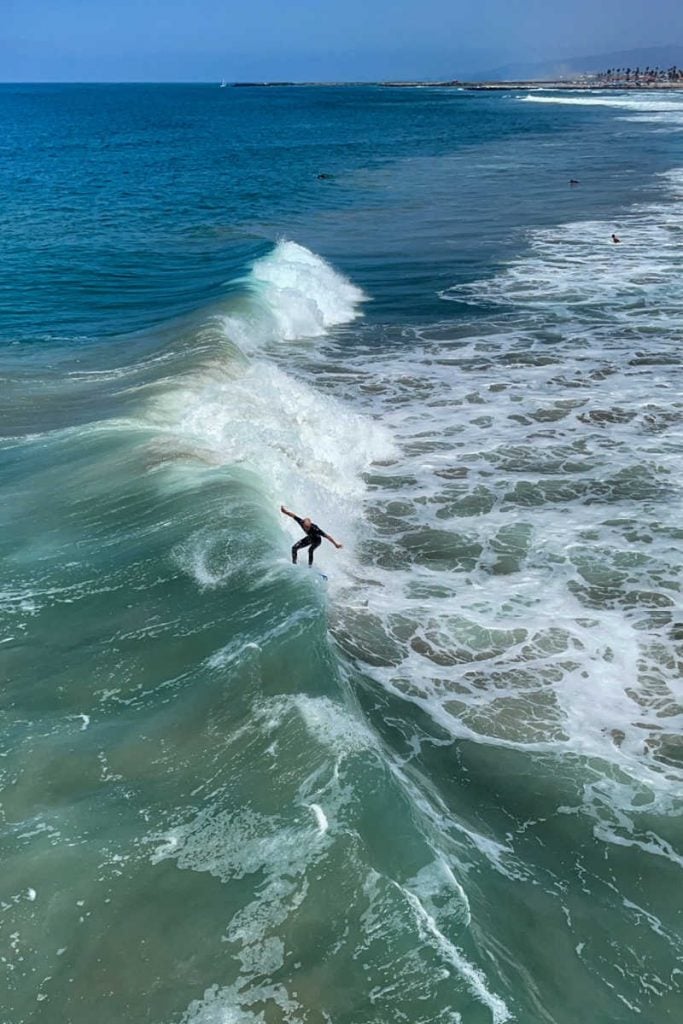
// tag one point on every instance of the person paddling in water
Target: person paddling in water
(313, 538)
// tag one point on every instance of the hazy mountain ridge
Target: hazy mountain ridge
(661, 56)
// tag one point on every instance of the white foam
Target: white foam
(516, 658)
(295, 295)
(523, 656)
(229, 1005)
(332, 724)
(278, 427)
(664, 110)
(637, 101)
(306, 294)
(440, 893)
(303, 449)
(575, 271)
(473, 977)
(213, 556)
(547, 440)
(232, 845)
(320, 817)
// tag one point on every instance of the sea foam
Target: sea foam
(239, 409)
(665, 108)
(525, 538)
(295, 295)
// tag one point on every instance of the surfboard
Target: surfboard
(317, 572)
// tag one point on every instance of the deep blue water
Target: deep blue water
(127, 205)
(444, 786)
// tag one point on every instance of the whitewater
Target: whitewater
(445, 786)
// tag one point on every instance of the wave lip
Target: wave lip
(298, 295)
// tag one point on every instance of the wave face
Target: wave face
(443, 785)
(246, 414)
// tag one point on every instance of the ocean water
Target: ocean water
(444, 787)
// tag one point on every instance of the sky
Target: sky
(206, 40)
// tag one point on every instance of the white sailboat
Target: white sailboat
(223, 84)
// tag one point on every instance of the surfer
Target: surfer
(615, 239)
(313, 538)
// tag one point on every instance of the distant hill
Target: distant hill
(655, 56)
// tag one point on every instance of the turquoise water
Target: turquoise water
(446, 785)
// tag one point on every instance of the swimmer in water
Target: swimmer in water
(615, 239)
(313, 538)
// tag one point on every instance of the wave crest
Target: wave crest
(295, 294)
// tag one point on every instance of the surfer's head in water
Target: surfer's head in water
(313, 538)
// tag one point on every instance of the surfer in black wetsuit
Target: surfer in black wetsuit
(313, 538)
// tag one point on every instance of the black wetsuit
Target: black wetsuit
(312, 541)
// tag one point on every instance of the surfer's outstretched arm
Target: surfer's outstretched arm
(332, 540)
(286, 512)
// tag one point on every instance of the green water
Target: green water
(444, 785)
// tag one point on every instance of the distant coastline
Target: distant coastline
(579, 85)
(586, 85)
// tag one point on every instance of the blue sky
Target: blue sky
(203, 40)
